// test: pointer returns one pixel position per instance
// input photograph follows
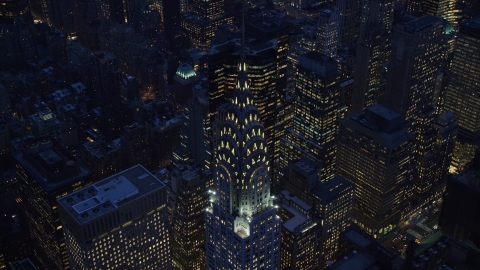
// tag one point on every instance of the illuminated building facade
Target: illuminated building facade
(242, 227)
(374, 153)
(189, 196)
(300, 234)
(450, 10)
(10, 9)
(328, 27)
(203, 21)
(418, 57)
(262, 62)
(119, 222)
(316, 105)
(372, 53)
(46, 171)
(328, 204)
(459, 94)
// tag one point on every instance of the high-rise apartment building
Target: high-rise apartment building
(461, 97)
(119, 222)
(46, 171)
(372, 53)
(374, 153)
(316, 105)
(242, 227)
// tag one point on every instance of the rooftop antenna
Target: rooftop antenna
(242, 71)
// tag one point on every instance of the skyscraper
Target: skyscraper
(46, 171)
(316, 106)
(262, 59)
(329, 207)
(418, 57)
(119, 222)
(242, 227)
(189, 197)
(462, 93)
(328, 27)
(451, 10)
(372, 52)
(374, 153)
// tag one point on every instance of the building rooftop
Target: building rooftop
(380, 123)
(109, 194)
(421, 23)
(50, 164)
(329, 191)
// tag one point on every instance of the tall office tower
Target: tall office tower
(46, 171)
(316, 105)
(107, 78)
(197, 133)
(262, 65)
(461, 96)
(172, 11)
(9, 9)
(189, 186)
(411, 78)
(374, 153)
(457, 216)
(447, 131)
(372, 53)
(349, 26)
(327, 32)
(451, 10)
(266, 28)
(204, 20)
(184, 80)
(418, 56)
(120, 222)
(331, 205)
(242, 227)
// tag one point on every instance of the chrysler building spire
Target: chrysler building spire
(242, 225)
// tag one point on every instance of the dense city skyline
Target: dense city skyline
(239, 134)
